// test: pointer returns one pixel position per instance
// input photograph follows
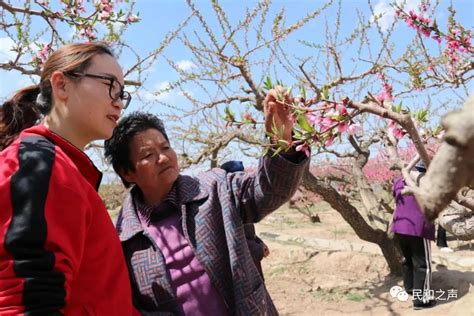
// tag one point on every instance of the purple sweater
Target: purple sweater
(408, 219)
(194, 291)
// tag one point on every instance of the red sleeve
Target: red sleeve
(42, 238)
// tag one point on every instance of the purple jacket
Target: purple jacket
(408, 219)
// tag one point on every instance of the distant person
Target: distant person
(258, 249)
(183, 236)
(59, 251)
(441, 240)
(414, 232)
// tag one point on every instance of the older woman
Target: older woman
(183, 237)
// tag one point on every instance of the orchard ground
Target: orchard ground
(325, 269)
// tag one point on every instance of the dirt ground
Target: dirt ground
(305, 280)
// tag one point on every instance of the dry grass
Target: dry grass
(112, 194)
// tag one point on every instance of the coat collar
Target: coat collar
(79, 158)
(128, 224)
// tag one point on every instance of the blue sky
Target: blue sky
(158, 17)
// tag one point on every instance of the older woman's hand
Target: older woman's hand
(277, 113)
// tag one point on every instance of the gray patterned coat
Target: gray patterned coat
(214, 207)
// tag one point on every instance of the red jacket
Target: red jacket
(59, 251)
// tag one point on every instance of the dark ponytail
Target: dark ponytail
(27, 106)
(18, 113)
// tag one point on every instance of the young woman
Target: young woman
(59, 252)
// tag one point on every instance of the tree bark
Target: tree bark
(375, 212)
(392, 254)
(452, 166)
(458, 220)
(353, 217)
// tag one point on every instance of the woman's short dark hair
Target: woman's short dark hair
(117, 148)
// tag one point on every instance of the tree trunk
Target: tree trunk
(214, 158)
(392, 254)
(352, 216)
(375, 212)
(452, 166)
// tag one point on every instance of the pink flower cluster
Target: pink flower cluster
(40, 58)
(416, 21)
(395, 130)
(75, 7)
(249, 118)
(132, 19)
(332, 122)
(457, 40)
(376, 170)
(304, 148)
(387, 90)
(424, 6)
(106, 8)
(44, 53)
(88, 32)
(462, 44)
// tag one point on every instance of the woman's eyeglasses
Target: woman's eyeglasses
(116, 90)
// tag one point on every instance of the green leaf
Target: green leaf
(280, 96)
(422, 115)
(278, 131)
(227, 110)
(297, 134)
(229, 115)
(304, 124)
(437, 130)
(303, 92)
(325, 92)
(283, 143)
(268, 84)
(265, 150)
(277, 151)
(397, 108)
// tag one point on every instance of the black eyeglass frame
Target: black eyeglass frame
(122, 94)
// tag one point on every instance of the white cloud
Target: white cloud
(185, 65)
(6, 46)
(173, 97)
(163, 85)
(151, 96)
(387, 12)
